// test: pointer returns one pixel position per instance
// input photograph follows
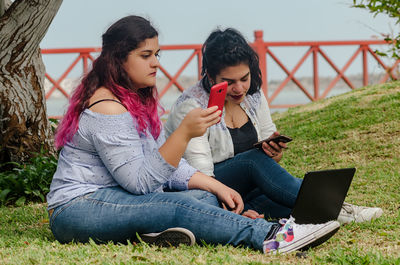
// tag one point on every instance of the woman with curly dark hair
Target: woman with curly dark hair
(226, 149)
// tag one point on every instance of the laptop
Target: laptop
(321, 195)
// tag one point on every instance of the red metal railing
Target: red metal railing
(364, 47)
(264, 51)
(174, 79)
(84, 54)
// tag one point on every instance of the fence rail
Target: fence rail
(315, 50)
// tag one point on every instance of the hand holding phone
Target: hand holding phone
(217, 96)
(276, 139)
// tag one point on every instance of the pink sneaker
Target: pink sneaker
(292, 236)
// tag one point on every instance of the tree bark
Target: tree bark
(4, 5)
(24, 127)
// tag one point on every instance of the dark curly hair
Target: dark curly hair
(225, 48)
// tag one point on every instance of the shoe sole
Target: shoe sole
(320, 240)
(314, 239)
(171, 237)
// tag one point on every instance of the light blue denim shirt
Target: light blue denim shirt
(106, 151)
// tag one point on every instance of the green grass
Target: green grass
(360, 128)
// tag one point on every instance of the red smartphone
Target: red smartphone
(217, 95)
(280, 138)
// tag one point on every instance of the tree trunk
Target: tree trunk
(24, 127)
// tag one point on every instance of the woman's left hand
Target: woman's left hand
(273, 150)
(230, 199)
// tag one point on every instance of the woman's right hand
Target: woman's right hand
(193, 125)
(252, 214)
(198, 120)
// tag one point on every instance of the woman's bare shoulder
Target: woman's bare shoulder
(108, 103)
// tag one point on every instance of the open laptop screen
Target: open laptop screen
(321, 195)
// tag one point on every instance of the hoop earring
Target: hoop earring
(210, 82)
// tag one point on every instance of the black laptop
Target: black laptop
(321, 195)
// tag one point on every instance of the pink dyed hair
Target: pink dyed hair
(145, 113)
(119, 40)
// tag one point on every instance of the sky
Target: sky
(81, 23)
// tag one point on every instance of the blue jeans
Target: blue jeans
(113, 214)
(264, 185)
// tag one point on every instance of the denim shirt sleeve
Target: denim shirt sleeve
(134, 160)
(198, 151)
(180, 177)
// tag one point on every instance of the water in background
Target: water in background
(56, 106)
(290, 94)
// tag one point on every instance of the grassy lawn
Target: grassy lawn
(360, 128)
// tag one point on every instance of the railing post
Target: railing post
(315, 72)
(261, 51)
(85, 63)
(365, 65)
(199, 64)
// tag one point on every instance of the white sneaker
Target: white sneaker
(171, 237)
(358, 214)
(292, 236)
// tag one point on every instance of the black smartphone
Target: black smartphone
(280, 138)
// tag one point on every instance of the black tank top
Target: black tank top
(244, 137)
(101, 100)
